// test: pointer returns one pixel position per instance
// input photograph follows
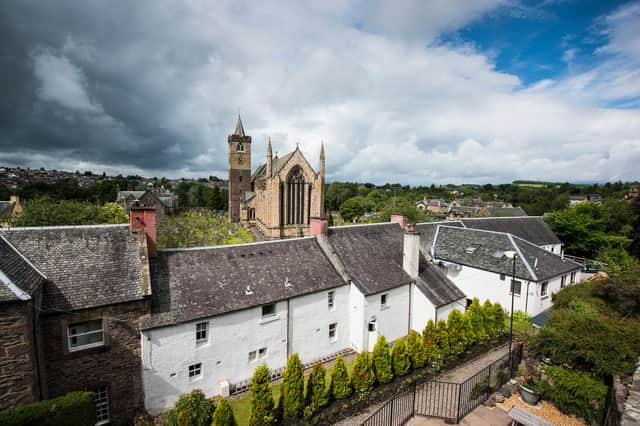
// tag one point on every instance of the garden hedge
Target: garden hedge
(72, 409)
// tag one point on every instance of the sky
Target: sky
(409, 91)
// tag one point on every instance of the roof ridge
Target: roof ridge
(23, 257)
(545, 251)
(45, 228)
(524, 259)
(501, 217)
(255, 243)
(360, 225)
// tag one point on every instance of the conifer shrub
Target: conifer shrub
(467, 331)
(362, 377)
(474, 313)
(316, 388)
(433, 355)
(72, 409)
(261, 398)
(489, 320)
(442, 339)
(382, 361)
(416, 350)
(193, 409)
(340, 387)
(223, 415)
(400, 358)
(455, 328)
(293, 388)
(500, 317)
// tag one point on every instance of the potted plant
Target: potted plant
(528, 388)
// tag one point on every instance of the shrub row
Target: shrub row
(72, 409)
(194, 409)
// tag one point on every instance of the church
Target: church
(281, 196)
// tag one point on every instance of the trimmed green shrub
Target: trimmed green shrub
(467, 331)
(474, 313)
(489, 321)
(72, 409)
(340, 387)
(316, 388)
(433, 355)
(362, 377)
(382, 361)
(400, 358)
(500, 317)
(456, 329)
(293, 388)
(261, 398)
(576, 393)
(429, 333)
(442, 338)
(415, 350)
(192, 409)
(223, 416)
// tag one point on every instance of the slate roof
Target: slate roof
(531, 228)
(86, 266)
(439, 289)
(372, 255)
(19, 278)
(276, 165)
(188, 284)
(485, 250)
(505, 211)
(427, 231)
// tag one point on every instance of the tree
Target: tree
(416, 350)
(354, 208)
(112, 213)
(340, 387)
(192, 409)
(442, 338)
(47, 212)
(401, 361)
(214, 199)
(488, 319)
(293, 388)
(316, 388)
(455, 327)
(362, 376)
(474, 313)
(382, 361)
(433, 354)
(261, 398)
(223, 416)
(499, 316)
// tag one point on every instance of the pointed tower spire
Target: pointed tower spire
(239, 128)
(269, 158)
(322, 159)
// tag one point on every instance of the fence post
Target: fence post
(391, 411)
(459, 403)
(413, 404)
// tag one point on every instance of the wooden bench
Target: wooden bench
(520, 416)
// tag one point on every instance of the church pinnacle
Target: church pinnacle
(239, 128)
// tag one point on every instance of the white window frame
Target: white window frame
(101, 401)
(193, 369)
(202, 328)
(544, 290)
(518, 293)
(573, 277)
(333, 331)
(331, 300)
(89, 345)
(384, 301)
(271, 315)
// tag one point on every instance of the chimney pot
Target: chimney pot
(141, 218)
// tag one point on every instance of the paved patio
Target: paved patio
(481, 416)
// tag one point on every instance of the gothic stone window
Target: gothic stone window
(296, 198)
(240, 147)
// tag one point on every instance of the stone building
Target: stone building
(163, 201)
(279, 199)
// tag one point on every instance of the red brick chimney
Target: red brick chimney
(319, 226)
(141, 218)
(400, 220)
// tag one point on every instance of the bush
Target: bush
(191, 409)
(474, 314)
(400, 358)
(261, 398)
(499, 316)
(382, 361)
(223, 416)
(433, 355)
(456, 330)
(316, 388)
(72, 409)
(442, 339)
(362, 377)
(340, 387)
(293, 388)
(415, 350)
(489, 320)
(576, 393)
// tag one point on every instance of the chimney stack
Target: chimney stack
(411, 252)
(144, 218)
(319, 226)
(399, 219)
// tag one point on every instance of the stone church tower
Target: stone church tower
(281, 196)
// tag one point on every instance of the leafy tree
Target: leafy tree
(316, 388)
(193, 228)
(433, 355)
(340, 387)
(400, 357)
(456, 330)
(488, 319)
(293, 388)
(474, 313)
(191, 409)
(223, 416)
(214, 199)
(112, 213)
(382, 361)
(261, 398)
(442, 338)
(362, 377)
(499, 316)
(416, 350)
(467, 331)
(354, 208)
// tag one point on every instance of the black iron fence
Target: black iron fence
(447, 400)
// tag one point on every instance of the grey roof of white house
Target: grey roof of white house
(435, 285)
(531, 228)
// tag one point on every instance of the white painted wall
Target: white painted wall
(444, 310)
(553, 248)
(422, 310)
(357, 325)
(393, 321)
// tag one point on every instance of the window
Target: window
(333, 331)
(563, 281)
(101, 400)
(252, 356)
(330, 299)
(195, 370)
(383, 301)
(502, 276)
(573, 277)
(84, 335)
(202, 332)
(516, 287)
(262, 353)
(268, 310)
(544, 289)
(240, 147)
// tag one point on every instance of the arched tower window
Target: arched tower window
(295, 197)
(240, 147)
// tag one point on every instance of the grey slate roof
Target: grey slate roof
(505, 211)
(439, 289)
(18, 277)
(484, 250)
(427, 231)
(188, 284)
(372, 255)
(531, 228)
(86, 266)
